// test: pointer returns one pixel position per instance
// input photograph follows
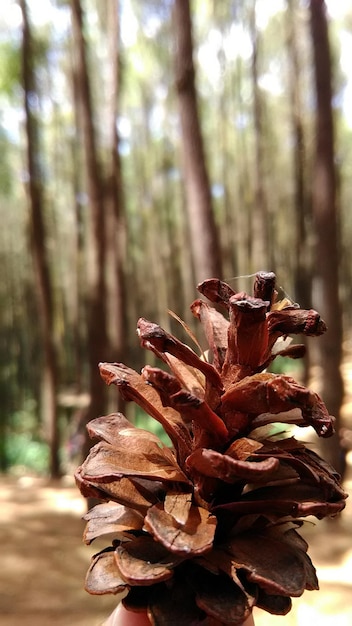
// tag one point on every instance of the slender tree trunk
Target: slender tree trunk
(97, 315)
(244, 213)
(229, 255)
(116, 224)
(302, 206)
(38, 245)
(79, 315)
(301, 202)
(260, 218)
(203, 232)
(326, 217)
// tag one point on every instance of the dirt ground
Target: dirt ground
(43, 562)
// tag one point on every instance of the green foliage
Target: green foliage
(142, 420)
(23, 446)
(287, 366)
(10, 67)
(6, 179)
(24, 452)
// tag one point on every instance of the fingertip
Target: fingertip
(122, 617)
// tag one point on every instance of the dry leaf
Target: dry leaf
(103, 575)
(194, 537)
(143, 561)
(148, 461)
(110, 517)
(216, 465)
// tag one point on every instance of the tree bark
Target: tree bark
(80, 287)
(203, 231)
(244, 202)
(38, 246)
(116, 223)
(326, 218)
(302, 206)
(301, 203)
(97, 314)
(261, 248)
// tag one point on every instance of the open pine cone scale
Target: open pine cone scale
(207, 530)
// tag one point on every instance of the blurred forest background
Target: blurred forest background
(144, 147)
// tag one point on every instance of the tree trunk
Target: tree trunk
(301, 204)
(38, 246)
(116, 224)
(261, 248)
(326, 217)
(97, 316)
(243, 214)
(302, 207)
(203, 232)
(79, 314)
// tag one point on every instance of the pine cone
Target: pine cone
(207, 530)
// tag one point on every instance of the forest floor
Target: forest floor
(43, 560)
